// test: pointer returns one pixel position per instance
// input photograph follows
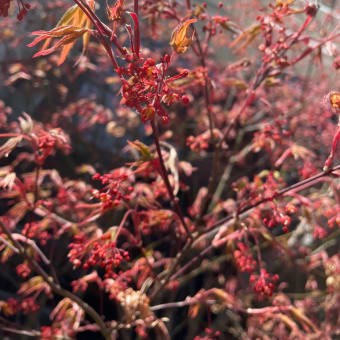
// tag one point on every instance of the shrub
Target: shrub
(166, 185)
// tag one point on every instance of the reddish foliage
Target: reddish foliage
(227, 203)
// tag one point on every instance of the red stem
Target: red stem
(132, 44)
(135, 6)
(137, 33)
(102, 29)
(330, 158)
(165, 178)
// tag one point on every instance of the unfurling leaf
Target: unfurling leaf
(143, 149)
(73, 25)
(247, 36)
(181, 38)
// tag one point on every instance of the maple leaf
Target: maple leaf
(181, 39)
(143, 150)
(334, 98)
(247, 36)
(73, 25)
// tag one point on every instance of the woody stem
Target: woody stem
(165, 178)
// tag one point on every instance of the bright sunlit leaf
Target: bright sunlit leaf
(72, 25)
(182, 38)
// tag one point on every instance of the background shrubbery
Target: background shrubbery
(176, 176)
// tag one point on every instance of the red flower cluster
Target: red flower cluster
(147, 88)
(107, 255)
(23, 270)
(50, 333)
(278, 215)
(201, 142)
(263, 284)
(13, 306)
(86, 111)
(116, 189)
(253, 123)
(210, 334)
(101, 251)
(152, 220)
(244, 258)
(35, 230)
(46, 145)
(333, 215)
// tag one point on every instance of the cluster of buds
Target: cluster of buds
(279, 215)
(308, 169)
(116, 189)
(210, 334)
(152, 220)
(333, 216)
(270, 135)
(13, 306)
(147, 88)
(264, 186)
(107, 255)
(319, 232)
(35, 230)
(44, 142)
(50, 333)
(244, 259)
(46, 146)
(114, 287)
(79, 249)
(23, 269)
(87, 111)
(202, 141)
(218, 23)
(103, 251)
(275, 219)
(263, 284)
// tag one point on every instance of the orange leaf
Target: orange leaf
(334, 99)
(67, 39)
(64, 53)
(73, 24)
(247, 36)
(180, 39)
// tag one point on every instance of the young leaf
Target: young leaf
(181, 39)
(72, 25)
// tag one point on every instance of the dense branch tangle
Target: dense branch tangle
(146, 89)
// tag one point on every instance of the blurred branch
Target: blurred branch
(56, 287)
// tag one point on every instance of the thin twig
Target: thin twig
(172, 269)
(165, 178)
(296, 187)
